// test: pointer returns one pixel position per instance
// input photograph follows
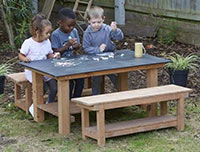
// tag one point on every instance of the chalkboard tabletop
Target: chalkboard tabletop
(92, 63)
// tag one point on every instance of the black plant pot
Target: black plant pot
(178, 77)
(2, 84)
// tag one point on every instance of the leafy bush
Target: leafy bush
(18, 14)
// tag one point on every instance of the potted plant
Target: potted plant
(179, 67)
(5, 68)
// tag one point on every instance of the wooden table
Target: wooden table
(123, 62)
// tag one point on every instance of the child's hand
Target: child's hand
(102, 47)
(68, 44)
(75, 44)
(113, 25)
(56, 55)
(71, 43)
(26, 59)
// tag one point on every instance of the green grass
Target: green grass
(31, 136)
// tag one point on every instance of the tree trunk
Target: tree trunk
(9, 28)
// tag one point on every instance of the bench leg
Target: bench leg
(28, 94)
(163, 108)
(17, 92)
(180, 114)
(19, 101)
(101, 126)
(85, 121)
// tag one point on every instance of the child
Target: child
(97, 39)
(38, 47)
(65, 40)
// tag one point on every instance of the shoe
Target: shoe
(31, 110)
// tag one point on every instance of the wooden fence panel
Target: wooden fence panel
(183, 9)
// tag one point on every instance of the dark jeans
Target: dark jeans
(52, 86)
(97, 81)
(76, 87)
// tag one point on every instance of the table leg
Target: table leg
(63, 107)
(123, 81)
(28, 93)
(88, 82)
(152, 81)
(37, 88)
(103, 84)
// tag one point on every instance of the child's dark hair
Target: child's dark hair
(66, 13)
(38, 23)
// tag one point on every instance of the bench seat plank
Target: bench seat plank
(130, 95)
(18, 78)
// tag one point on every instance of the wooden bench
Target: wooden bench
(24, 102)
(20, 84)
(100, 103)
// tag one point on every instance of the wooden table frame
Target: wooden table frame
(63, 86)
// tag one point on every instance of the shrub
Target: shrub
(179, 62)
(17, 15)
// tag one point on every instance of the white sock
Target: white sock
(31, 110)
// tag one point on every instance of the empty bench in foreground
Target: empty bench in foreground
(100, 103)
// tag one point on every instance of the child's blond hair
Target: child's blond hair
(95, 12)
